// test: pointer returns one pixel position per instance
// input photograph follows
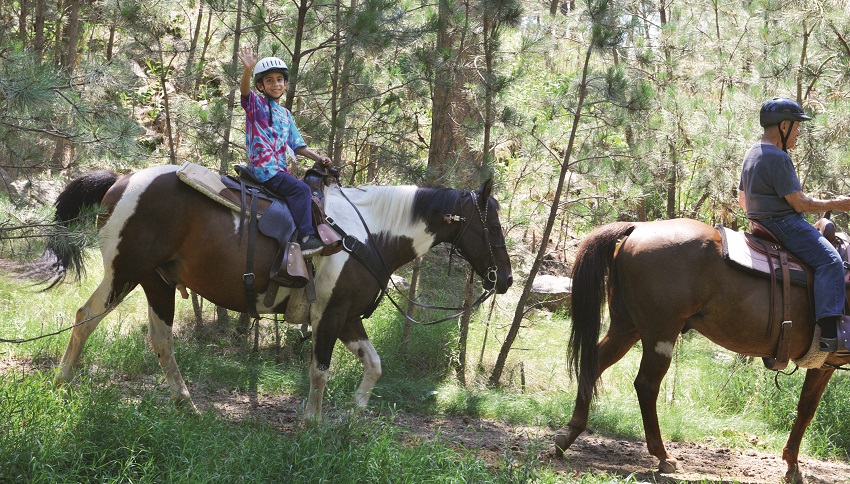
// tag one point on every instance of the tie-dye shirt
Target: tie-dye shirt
(269, 146)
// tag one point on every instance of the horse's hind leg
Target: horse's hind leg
(355, 339)
(160, 298)
(657, 354)
(616, 343)
(102, 300)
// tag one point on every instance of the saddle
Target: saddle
(269, 215)
(760, 252)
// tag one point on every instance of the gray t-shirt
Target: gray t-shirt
(766, 177)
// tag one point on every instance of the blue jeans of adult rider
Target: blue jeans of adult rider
(297, 196)
(805, 242)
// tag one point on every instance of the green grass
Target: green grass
(96, 435)
(115, 423)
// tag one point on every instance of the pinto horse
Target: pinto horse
(159, 233)
(664, 278)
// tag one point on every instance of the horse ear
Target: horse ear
(486, 189)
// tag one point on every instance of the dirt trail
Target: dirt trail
(489, 439)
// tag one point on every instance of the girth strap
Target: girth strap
(368, 258)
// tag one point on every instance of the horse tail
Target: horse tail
(590, 271)
(65, 250)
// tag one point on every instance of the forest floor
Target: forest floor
(491, 440)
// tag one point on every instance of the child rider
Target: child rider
(271, 135)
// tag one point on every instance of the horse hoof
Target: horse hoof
(668, 466)
(794, 476)
(563, 442)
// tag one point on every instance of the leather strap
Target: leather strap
(248, 277)
(770, 311)
(783, 352)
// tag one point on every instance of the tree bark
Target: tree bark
(341, 85)
(189, 72)
(411, 297)
(442, 144)
(38, 28)
(224, 150)
(463, 329)
(166, 104)
(22, 21)
(295, 67)
(71, 37)
(499, 367)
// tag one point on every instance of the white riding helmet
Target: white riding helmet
(267, 65)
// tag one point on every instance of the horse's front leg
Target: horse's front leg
(160, 298)
(612, 348)
(85, 322)
(813, 388)
(326, 327)
(654, 364)
(355, 339)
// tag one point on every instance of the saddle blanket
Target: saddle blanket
(274, 217)
(739, 252)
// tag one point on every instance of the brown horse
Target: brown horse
(159, 234)
(665, 278)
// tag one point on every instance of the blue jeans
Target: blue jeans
(805, 242)
(297, 196)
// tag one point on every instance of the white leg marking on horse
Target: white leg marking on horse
(364, 350)
(665, 348)
(91, 312)
(162, 341)
(318, 381)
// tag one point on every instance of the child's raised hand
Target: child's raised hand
(248, 57)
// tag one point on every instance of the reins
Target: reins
(36, 338)
(368, 256)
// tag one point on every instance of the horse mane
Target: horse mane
(390, 207)
(396, 208)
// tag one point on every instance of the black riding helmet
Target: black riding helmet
(779, 109)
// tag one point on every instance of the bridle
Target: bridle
(492, 274)
(375, 264)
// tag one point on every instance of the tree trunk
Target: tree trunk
(442, 144)
(166, 104)
(341, 85)
(496, 375)
(463, 329)
(295, 67)
(207, 39)
(22, 21)
(224, 150)
(411, 297)
(38, 28)
(71, 37)
(488, 87)
(110, 45)
(189, 72)
(672, 180)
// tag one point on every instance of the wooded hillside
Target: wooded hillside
(445, 92)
